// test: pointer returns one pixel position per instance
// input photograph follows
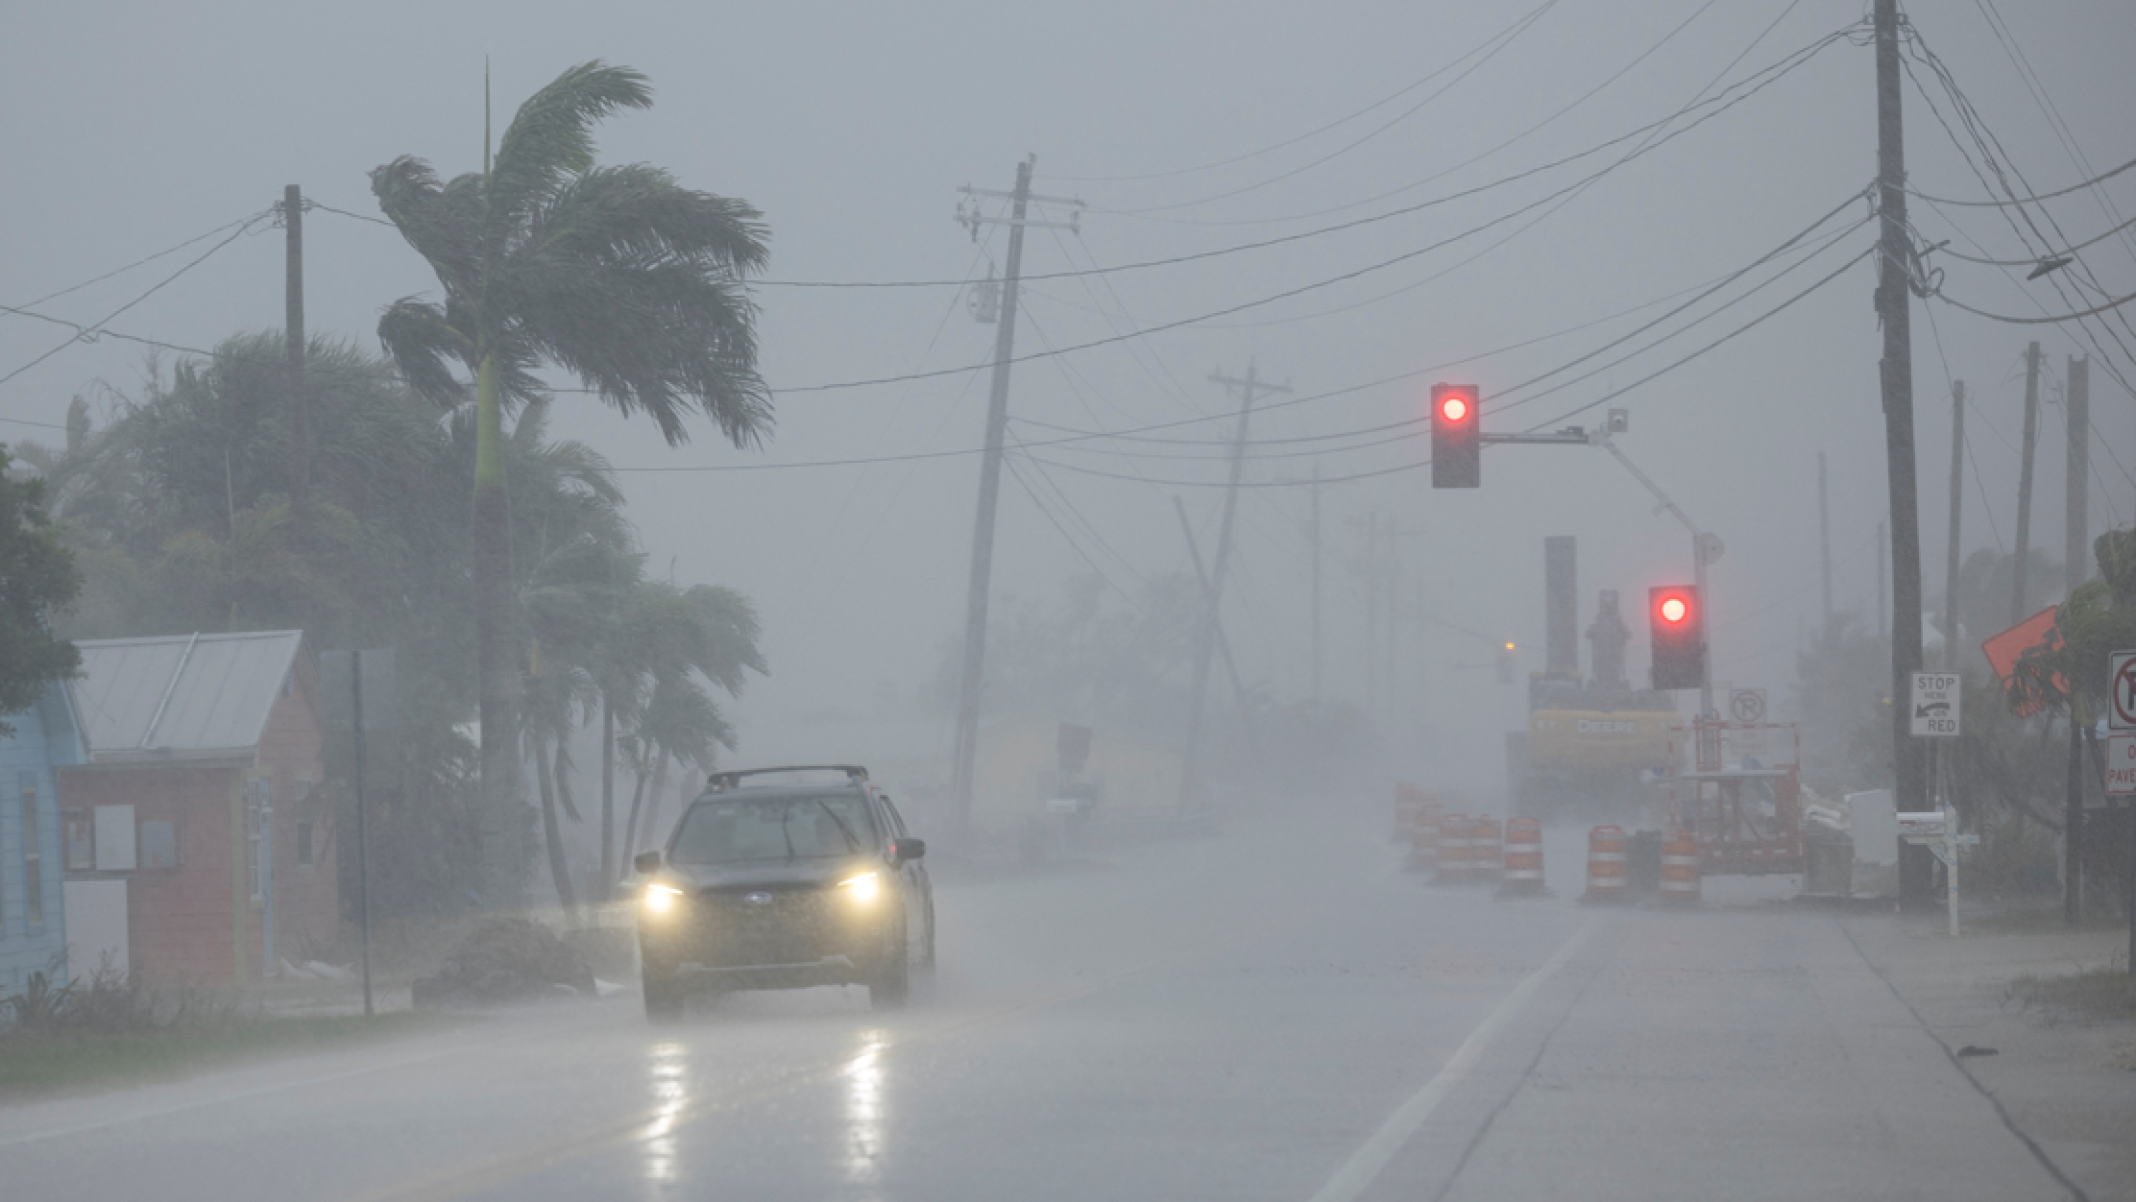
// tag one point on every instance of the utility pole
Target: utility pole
(1883, 612)
(1316, 585)
(2076, 553)
(1950, 565)
(997, 421)
(2024, 482)
(293, 334)
(1894, 282)
(1824, 537)
(1223, 643)
(1248, 389)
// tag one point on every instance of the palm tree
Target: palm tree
(619, 275)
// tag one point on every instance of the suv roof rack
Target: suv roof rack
(720, 782)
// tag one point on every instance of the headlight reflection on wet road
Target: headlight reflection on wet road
(864, 1110)
(665, 1070)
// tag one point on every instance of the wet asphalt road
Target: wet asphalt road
(1278, 1012)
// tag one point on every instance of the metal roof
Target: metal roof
(181, 695)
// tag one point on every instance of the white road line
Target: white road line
(1365, 1165)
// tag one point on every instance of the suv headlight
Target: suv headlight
(863, 888)
(660, 899)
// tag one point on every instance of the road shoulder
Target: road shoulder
(2066, 1083)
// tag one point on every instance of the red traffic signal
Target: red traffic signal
(1456, 436)
(1678, 630)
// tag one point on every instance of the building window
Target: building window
(159, 843)
(258, 815)
(32, 853)
(80, 840)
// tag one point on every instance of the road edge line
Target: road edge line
(1372, 1157)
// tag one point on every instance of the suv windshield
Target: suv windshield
(786, 827)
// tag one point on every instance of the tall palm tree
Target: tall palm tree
(619, 275)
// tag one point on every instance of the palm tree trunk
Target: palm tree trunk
(652, 801)
(608, 798)
(503, 852)
(552, 834)
(630, 828)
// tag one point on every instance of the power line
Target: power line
(49, 296)
(2019, 201)
(1314, 133)
(1505, 39)
(89, 333)
(2049, 320)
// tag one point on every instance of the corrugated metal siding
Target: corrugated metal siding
(225, 689)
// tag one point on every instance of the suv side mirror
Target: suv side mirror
(647, 863)
(907, 849)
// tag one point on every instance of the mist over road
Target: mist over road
(1275, 1012)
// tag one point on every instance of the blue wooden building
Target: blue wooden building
(33, 922)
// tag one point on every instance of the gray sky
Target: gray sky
(134, 126)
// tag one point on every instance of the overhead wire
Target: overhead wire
(1519, 24)
(90, 332)
(118, 271)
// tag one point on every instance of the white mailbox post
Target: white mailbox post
(1937, 830)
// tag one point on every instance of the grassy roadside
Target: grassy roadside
(42, 1064)
(2101, 994)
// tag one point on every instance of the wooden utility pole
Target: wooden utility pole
(1824, 537)
(293, 342)
(1249, 389)
(1316, 585)
(2076, 551)
(2024, 483)
(997, 423)
(1950, 564)
(1893, 306)
(1223, 643)
(1883, 612)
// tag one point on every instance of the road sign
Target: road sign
(1746, 705)
(1936, 701)
(2121, 765)
(2121, 690)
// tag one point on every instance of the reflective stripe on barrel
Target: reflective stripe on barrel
(1680, 868)
(1424, 837)
(1524, 856)
(1486, 848)
(1605, 863)
(1454, 847)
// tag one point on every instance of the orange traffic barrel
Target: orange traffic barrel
(1524, 857)
(1486, 849)
(1424, 839)
(1680, 868)
(1453, 848)
(1605, 864)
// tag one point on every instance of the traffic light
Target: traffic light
(1678, 625)
(1456, 436)
(1505, 664)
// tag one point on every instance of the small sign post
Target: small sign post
(1935, 708)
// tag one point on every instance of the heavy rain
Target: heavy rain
(952, 601)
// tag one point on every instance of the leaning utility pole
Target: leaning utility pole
(1213, 596)
(2076, 555)
(1223, 643)
(1894, 281)
(997, 422)
(2024, 482)
(1824, 538)
(1950, 558)
(1316, 585)
(293, 340)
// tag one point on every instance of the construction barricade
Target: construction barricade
(1605, 865)
(1524, 857)
(1680, 869)
(1486, 850)
(1453, 868)
(1424, 839)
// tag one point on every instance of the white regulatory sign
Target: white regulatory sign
(2121, 690)
(1935, 705)
(2121, 764)
(1747, 705)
